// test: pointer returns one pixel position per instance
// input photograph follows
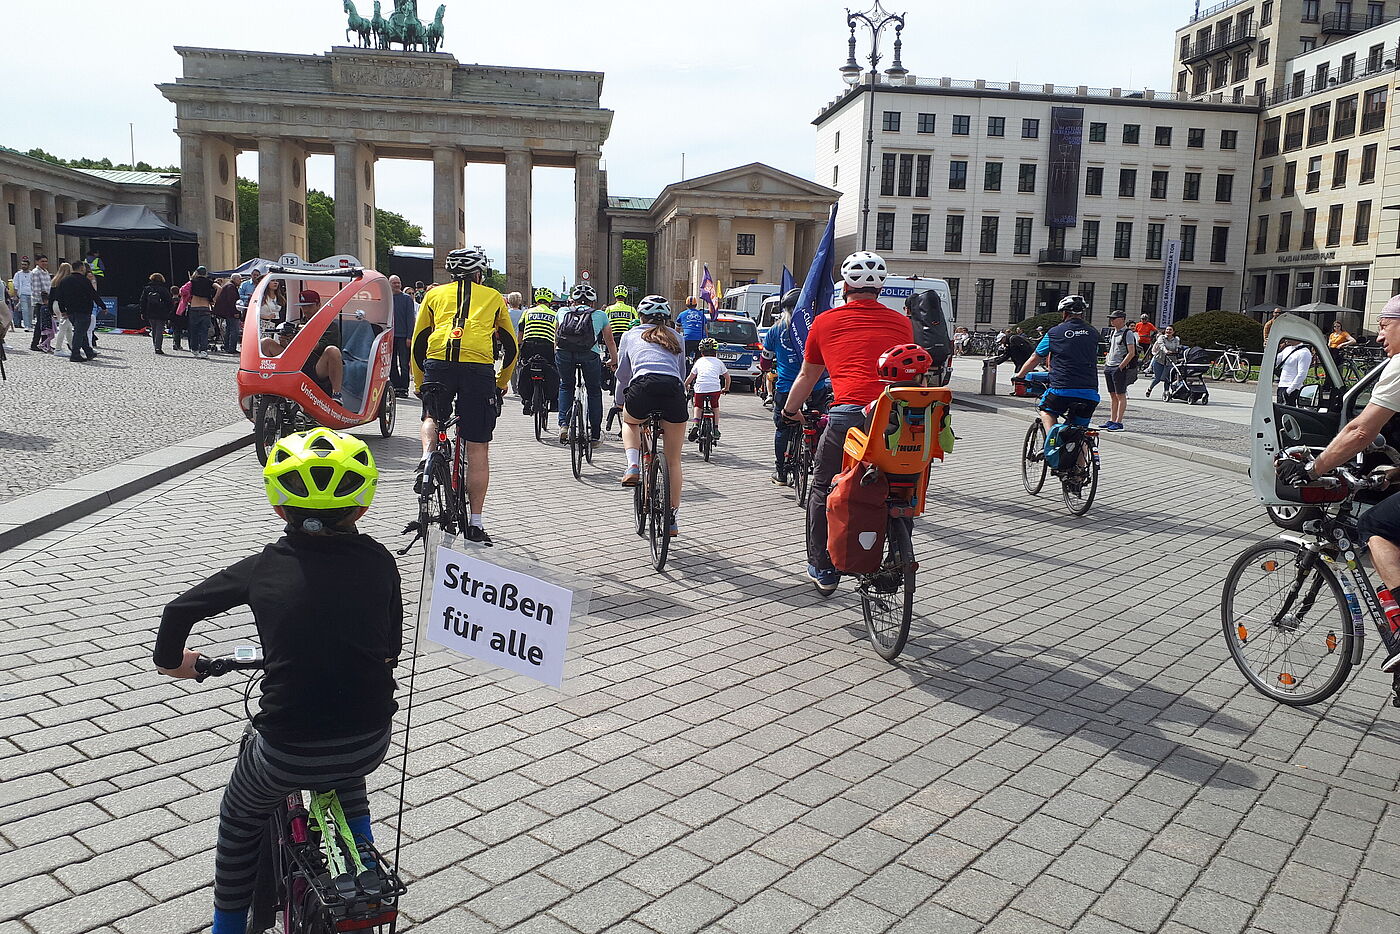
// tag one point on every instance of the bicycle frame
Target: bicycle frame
(1356, 585)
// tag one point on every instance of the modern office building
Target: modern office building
(1019, 194)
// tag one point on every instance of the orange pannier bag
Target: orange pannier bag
(857, 512)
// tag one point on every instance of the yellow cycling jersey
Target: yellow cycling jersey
(464, 328)
(622, 317)
(539, 323)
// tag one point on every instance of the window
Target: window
(918, 234)
(1261, 234)
(1348, 69)
(1093, 180)
(1127, 183)
(1219, 243)
(1185, 47)
(1118, 296)
(957, 175)
(962, 125)
(991, 180)
(1222, 73)
(1266, 13)
(1318, 123)
(927, 122)
(1320, 75)
(1363, 222)
(1339, 169)
(1191, 189)
(906, 175)
(988, 243)
(953, 234)
(1156, 233)
(1373, 111)
(887, 168)
(921, 176)
(1163, 136)
(1123, 240)
(1268, 144)
(1290, 178)
(1263, 58)
(1375, 13)
(1285, 231)
(835, 175)
(747, 244)
(1149, 298)
(1131, 132)
(1086, 290)
(1159, 184)
(1019, 288)
(984, 300)
(1224, 187)
(1310, 10)
(1260, 88)
(1215, 298)
(1374, 56)
(954, 284)
(1344, 121)
(1307, 43)
(1090, 244)
(1293, 131)
(1022, 241)
(1309, 239)
(1229, 139)
(884, 231)
(891, 121)
(1314, 173)
(1026, 180)
(1334, 225)
(1098, 132)
(996, 126)
(1196, 138)
(1241, 65)
(1030, 129)
(1188, 243)
(836, 147)
(1266, 183)
(1368, 164)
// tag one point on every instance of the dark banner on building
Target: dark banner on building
(1066, 143)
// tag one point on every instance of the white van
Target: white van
(747, 300)
(898, 288)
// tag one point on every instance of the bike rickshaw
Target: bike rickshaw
(279, 387)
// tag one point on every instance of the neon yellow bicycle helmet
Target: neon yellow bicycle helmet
(619, 291)
(321, 471)
(544, 295)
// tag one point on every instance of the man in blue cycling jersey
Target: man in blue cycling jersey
(1073, 351)
(694, 326)
(781, 350)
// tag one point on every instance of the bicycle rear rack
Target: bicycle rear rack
(352, 903)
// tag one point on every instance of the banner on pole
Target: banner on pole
(1171, 266)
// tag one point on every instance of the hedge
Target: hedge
(1228, 328)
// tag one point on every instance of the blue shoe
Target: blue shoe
(824, 580)
(1115, 426)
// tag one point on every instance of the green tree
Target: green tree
(247, 218)
(320, 225)
(634, 265)
(391, 230)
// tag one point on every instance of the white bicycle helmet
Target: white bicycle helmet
(1074, 304)
(583, 294)
(864, 270)
(466, 262)
(654, 306)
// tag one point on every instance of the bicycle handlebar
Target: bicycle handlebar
(1377, 479)
(207, 667)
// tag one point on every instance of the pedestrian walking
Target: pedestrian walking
(63, 334)
(515, 307)
(156, 309)
(24, 292)
(201, 311)
(79, 300)
(1294, 365)
(405, 313)
(92, 324)
(1164, 348)
(41, 282)
(1270, 323)
(180, 323)
(226, 310)
(1118, 369)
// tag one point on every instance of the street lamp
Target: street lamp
(875, 19)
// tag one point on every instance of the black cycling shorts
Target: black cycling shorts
(1382, 519)
(1073, 410)
(473, 385)
(656, 392)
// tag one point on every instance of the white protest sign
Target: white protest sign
(500, 616)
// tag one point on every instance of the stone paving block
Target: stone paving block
(600, 907)
(511, 902)
(685, 910)
(85, 912)
(26, 896)
(663, 871)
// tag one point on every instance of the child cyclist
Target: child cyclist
(328, 608)
(710, 377)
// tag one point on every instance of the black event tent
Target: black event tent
(126, 222)
(134, 242)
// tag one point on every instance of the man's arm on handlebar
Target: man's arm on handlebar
(1352, 439)
(808, 377)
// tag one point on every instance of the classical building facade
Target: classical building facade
(37, 196)
(1019, 194)
(361, 105)
(745, 223)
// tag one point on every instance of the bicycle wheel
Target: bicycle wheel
(802, 476)
(887, 596)
(639, 508)
(1216, 371)
(388, 408)
(1080, 482)
(1241, 372)
(541, 409)
(659, 509)
(576, 439)
(1286, 622)
(707, 438)
(267, 425)
(1033, 470)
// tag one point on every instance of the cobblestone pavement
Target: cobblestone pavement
(1064, 747)
(59, 420)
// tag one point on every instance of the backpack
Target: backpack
(857, 513)
(576, 329)
(931, 326)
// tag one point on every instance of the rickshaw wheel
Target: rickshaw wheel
(267, 425)
(388, 407)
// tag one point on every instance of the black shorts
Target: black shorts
(1117, 379)
(1382, 519)
(656, 392)
(473, 385)
(1073, 410)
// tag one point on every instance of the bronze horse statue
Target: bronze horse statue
(357, 26)
(434, 29)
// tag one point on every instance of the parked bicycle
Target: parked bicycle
(1076, 456)
(651, 499)
(1356, 362)
(580, 442)
(314, 876)
(1230, 365)
(442, 484)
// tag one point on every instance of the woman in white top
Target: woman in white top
(710, 377)
(650, 367)
(1294, 364)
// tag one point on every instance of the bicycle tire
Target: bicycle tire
(1241, 373)
(1033, 471)
(576, 440)
(887, 596)
(388, 412)
(541, 410)
(659, 510)
(639, 508)
(802, 479)
(707, 441)
(1283, 684)
(1079, 484)
(1216, 371)
(456, 498)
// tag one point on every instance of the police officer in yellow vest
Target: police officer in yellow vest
(622, 316)
(94, 262)
(537, 329)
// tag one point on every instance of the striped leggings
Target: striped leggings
(263, 776)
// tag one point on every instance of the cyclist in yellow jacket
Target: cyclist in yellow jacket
(622, 317)
(460, 328)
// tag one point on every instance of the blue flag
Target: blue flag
(815, 297)
(788, 283)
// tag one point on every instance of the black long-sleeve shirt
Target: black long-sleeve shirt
(75, 295)
(329, 613)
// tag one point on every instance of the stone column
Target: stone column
(662, 282)
(194, 212)
(26, 236)
(614, 260)
(9, 243)
(272, 200)
(681, 255)
(69, 245)
(354, 201)
(724, 249)
(294, 188)
(519, 212)
(586, 214)
(48, 218)
(449, 207)
(780, 252)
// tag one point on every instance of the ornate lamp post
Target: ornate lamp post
(875, 19)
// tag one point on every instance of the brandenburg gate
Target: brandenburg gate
(360, 105)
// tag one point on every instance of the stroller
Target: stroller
(1187, 380)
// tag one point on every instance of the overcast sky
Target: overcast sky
(738, 84)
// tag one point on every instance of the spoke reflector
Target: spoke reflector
(1287, 680)
(1244, 633)
(1331, 642)
(1270, 565)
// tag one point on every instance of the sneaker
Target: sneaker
(476, 533)
(1148, 394)
(418, 475)
(1107, 426)
(160, 353)
(824, 580)
(596, 440)
(779, 479)
(693, 435)
(632, 476)
(1115, 426)
(336, 398)
(1392, 663)
(563, 436)
(672, 530)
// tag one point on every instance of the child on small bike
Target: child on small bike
(328, 606)
(710, 377)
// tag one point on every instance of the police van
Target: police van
(898, 288)
(747, 300)
(739, 348)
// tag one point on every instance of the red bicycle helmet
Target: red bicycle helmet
(904, 363)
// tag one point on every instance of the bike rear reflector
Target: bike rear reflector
(1243, 634)
(1331, 642)
(1270, 566)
